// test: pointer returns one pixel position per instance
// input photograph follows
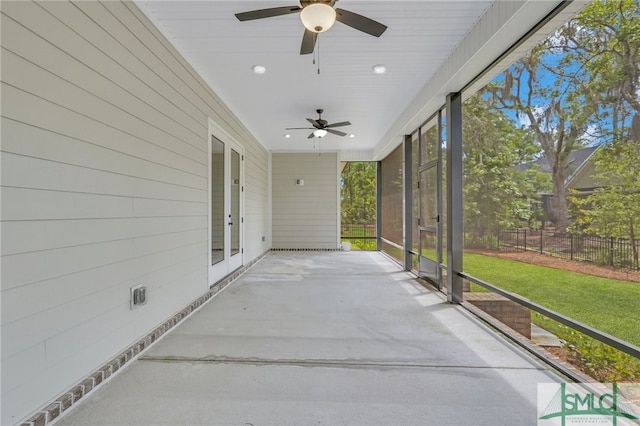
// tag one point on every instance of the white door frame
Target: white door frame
(229, 263)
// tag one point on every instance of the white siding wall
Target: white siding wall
(305, 216)
(104, 186)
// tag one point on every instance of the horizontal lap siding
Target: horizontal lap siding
(257, 221)
(305, 216)
(256, 157)
(104, 174)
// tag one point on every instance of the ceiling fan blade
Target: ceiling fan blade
(336, 132)
(360, 22)
(340, 124)
(299, 128)
(308, 42)
(314, 123)
(267, 13)
(311, 136)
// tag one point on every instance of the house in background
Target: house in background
(581, 171)
(579, 174)
(134, 158)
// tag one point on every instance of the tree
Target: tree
(605, 38)
(614, 207)
(358, 193)
(496, 195)
(546, 90)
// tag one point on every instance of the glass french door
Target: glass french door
(226, 221)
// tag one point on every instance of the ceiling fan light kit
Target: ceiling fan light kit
(318, 17)
(319, 133)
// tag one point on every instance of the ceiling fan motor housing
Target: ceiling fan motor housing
(305, 3)
(320, 121)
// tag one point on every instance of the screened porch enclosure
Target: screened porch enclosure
(454, 196)
(127, 173)
(426, 216)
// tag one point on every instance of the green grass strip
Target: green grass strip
(612, 306)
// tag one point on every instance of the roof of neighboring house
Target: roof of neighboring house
(577, 160)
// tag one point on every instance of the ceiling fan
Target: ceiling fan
(322, 127)
(317, 16)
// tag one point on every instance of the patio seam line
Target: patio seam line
(73, 395)
(322, 363)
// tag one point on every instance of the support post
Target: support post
(407, 188)
(454, 197)
(378, 205)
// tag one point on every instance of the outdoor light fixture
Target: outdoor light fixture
(319, 133)
(318, 17)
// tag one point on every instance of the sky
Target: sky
(547, 81)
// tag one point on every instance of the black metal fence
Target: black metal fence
(361, 237)
(611, 251)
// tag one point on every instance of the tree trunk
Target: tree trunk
(559, 202)
(632, 238)
(556, 150)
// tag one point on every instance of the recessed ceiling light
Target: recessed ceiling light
(351, 135)
(379, 69)
(287, 136)
(259, 69)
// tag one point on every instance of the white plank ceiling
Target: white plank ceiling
(420, 37)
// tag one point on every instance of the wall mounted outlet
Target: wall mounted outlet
(138, 296)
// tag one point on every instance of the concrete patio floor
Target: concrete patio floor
(324, 338)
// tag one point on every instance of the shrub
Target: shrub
(597, 359)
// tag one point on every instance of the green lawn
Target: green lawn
(608, 305)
